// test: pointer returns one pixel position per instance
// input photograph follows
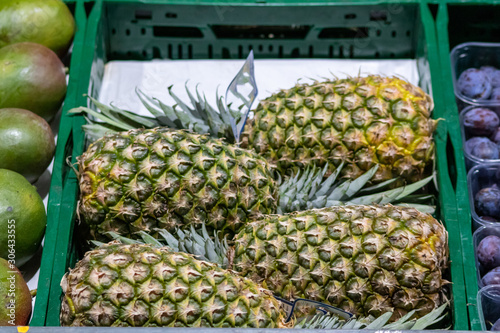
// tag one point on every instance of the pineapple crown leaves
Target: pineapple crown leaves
(404, 323)
(201, 117)
(198, 243)
(308, 189)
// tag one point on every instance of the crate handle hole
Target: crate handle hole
(343, 33)
(170, 15)
(378, 15)
(260, 32)
(170, 31)
(143, 14)
(351, 16)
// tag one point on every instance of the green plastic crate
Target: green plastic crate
(63, 147)
(456, 23)
(167, 29)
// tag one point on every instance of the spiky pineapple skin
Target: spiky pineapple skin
(367, 260)
(142, 285)
(148, 179)
(362, 120)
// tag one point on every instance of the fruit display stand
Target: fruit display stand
(53, 200)
(409, 34)
(453, 29)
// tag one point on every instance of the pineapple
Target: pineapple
(363, 121)
(146, 285)
(150, 179)
(367, 260)
(161, 178)
(141, 285)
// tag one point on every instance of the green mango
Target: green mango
(32, 77)
(22, 214)
(27, 143)
(46, 22)
(15, 296)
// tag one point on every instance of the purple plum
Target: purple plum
(492, 277)
(481, 122)
(488, 202)
(488, 70)
(495, 94)
(482, 148)
(495, 79)
(474, 83)
(488, 219)
(488, 252)
(496, 136)
(473, 142)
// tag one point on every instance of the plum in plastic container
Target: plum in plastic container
(484, 194)
(486, 242)
(475, 55)
(488, 299)
(480, 127)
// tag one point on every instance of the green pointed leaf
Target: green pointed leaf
(122, 239)
(169, 239)
(339, 192)
(331, 203)
(421, 208)
(327, 184)
(179, 102)
(97, 243)
(102, 117)
(316, 179)
(419, 198)
(150, 104)
(378, 198)
(401, 321)
(134, 119)
(359, 182)
(96, 131)
(148, 239)
(408, 189)
(127, 118)
(430, 318)
(378, 187)
(380, 321)
(351, 324)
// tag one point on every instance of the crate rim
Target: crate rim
(462, 192)
(56, 182)
(430, 36)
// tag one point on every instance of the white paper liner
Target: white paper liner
(154, 77)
